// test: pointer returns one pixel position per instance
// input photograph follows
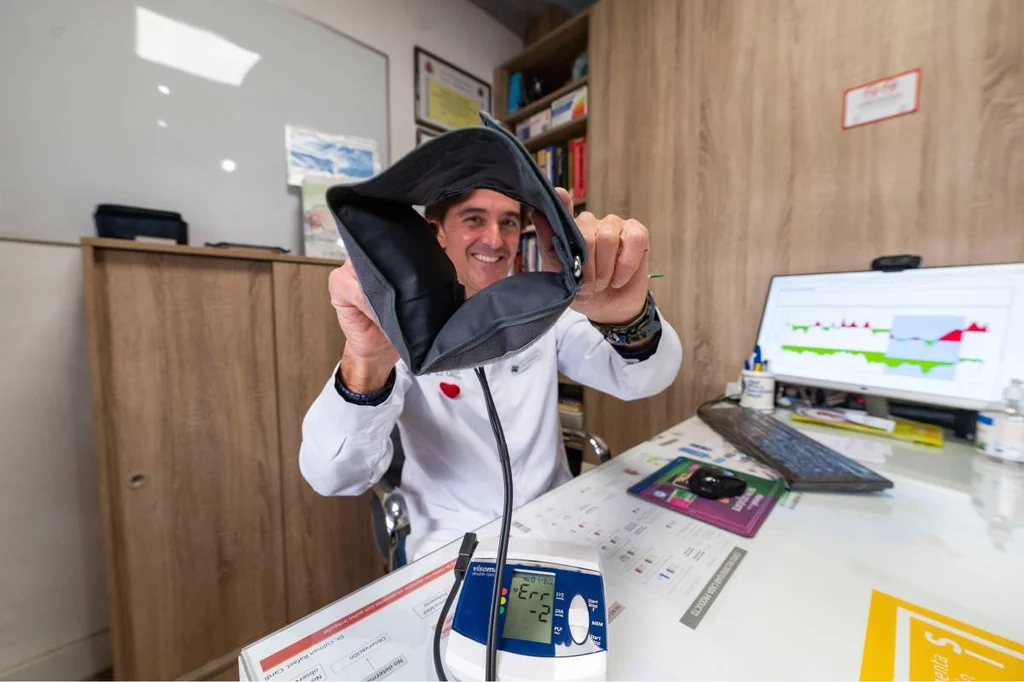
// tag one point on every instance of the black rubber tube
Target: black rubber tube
(506, 526)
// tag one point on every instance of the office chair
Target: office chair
(389, 513)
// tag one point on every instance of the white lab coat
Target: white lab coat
(451, 478)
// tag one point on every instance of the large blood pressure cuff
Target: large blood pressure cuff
(409, 281)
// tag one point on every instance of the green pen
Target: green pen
(655, 275)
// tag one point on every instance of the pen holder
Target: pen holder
(758, 390)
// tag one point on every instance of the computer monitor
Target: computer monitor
(950, 336)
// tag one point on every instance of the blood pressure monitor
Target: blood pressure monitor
(552, 621)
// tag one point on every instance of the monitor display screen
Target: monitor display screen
(951, 336)
(530, 600)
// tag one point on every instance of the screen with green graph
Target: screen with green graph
(951, 336)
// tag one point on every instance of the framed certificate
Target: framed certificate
(446, 96)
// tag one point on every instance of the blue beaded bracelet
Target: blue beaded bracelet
(367, 399)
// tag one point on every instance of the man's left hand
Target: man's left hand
(614, 287)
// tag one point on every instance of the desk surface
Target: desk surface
(947, 538)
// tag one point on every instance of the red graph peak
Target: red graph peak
(955, 335)
(975, 327)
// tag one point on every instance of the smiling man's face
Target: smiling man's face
(480, 233)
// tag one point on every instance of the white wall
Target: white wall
(454, 30)
(52, 602)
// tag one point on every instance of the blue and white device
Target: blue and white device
(552, 623)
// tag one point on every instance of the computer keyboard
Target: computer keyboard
(805, 463)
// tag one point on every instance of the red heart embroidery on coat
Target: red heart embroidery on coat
(450, 390)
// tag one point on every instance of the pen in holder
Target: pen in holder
(758, 390)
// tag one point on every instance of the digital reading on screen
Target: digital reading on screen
(951, 336)
(529, 607)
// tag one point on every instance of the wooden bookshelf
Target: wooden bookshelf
(562, 133)
(560, 45)
(543, 103)
(549, 58)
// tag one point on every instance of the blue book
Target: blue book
(515, 93)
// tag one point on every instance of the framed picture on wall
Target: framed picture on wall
(424, 134)
(446, 96)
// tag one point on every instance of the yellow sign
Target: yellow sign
(907, 642)
(451, 107)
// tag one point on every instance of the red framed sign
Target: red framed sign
(882, 99)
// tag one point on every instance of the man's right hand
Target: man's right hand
(369, 357)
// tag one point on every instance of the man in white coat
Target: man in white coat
(611, 339)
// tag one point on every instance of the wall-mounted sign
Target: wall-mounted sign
(884, 98)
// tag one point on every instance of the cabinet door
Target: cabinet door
(187, 365)
(328, 540)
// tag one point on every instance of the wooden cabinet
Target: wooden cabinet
(318, 565)
(204, 363)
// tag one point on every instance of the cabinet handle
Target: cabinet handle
(136, 481)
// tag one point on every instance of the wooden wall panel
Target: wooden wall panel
(328, 540)
(191, 456)
(717, 124)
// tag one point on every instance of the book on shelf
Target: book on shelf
(535, 125)
(561, 152)
(528, 259)
(579, 159)
(569, 107)
(565, 165)
(515, 92)
(570, 406)
(570, 413)
(564, 110)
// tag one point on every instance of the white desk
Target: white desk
(795, 607)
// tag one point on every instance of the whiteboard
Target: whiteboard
(85, 120)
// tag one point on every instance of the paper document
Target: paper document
(385, 636)
(319, 230)
(860, 449)
(712, 449)
(880, 423)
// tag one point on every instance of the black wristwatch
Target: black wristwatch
(644, 327)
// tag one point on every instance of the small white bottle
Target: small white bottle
(1010, 426)
(986, 427)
